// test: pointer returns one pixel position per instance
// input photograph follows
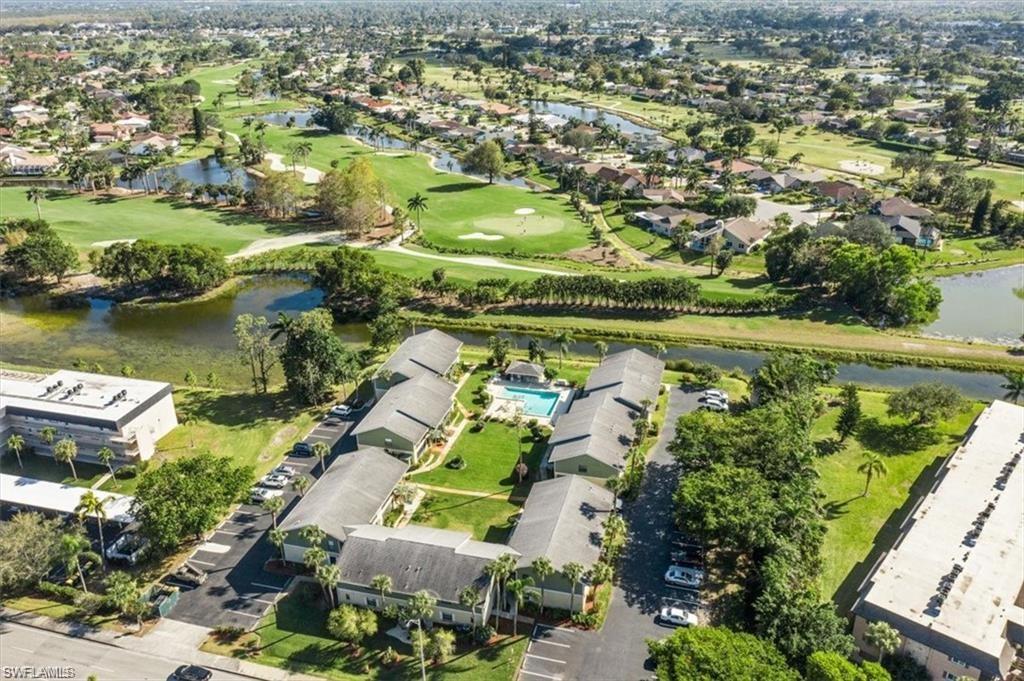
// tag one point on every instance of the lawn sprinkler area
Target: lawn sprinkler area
(544, 402)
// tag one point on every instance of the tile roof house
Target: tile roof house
(899, 206)
(404, 417)
(840, 192)
(739, 235)
(417, 558)
(429, 352)
(562, 521)
(355, 490)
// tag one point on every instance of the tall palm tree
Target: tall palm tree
(517, 587)
(66, 451)
(542, 569)
(277, 537)
(71, 550)
(91, 505)
(106, 457)
(574, 572)
(417, 203)
(328, 576)
(36, 195)
(468, 598)
(501, 569)
(1014, 386)
(273, 506)
(881, 635)
(320, 451)
(281, 326)
(420, 606)
(16, 443)
(383, 584)
(48, 434)
(304, 149)
(872, 466)
(563, 340)
(300, 484)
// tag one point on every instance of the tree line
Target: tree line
(182, 268)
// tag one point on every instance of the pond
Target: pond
(298, 119)
(165, 341)
(209, 170)
(981, 306)
(589, 114)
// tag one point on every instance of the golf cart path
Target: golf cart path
(476, 260)
(279, 242)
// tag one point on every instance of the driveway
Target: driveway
(767, 210)
(618, 651)
(553, 653)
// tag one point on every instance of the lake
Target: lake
(981, 306)
(199, 171)
(589, 114)
(165, 341)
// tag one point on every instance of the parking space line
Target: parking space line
(201, 562)
(543, 676)
(551, 643)
(546, 659)
(267, 586)
(242, 612)
(551, 626)
(258, 600)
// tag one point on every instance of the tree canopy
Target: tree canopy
(716, 653)
(314, 359)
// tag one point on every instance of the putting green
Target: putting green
(521, 225)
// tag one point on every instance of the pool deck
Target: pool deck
(503, 408)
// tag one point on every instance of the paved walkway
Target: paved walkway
(470, 493)
(478, 261)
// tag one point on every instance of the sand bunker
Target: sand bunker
(225, 81)
(111, 242)
(309, 175)
(525, 211)
(861, 167)
(480, 236)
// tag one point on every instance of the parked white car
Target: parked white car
(677, 617)
(688, 578)
(274, 481)
(717, 394)
(258, 495)
(286, 471)
(340, 410)
(714, 405)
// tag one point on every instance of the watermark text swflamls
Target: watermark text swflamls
(30, 672)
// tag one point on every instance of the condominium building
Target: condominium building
(952, 584)
(125, 414)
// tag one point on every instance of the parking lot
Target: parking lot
(553, 653)
(238, 591)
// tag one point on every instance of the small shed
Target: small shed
(525, 372)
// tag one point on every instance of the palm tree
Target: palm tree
(300, 484)
(282, 326)
(1014, 386)
(106, 457)
(602, 350)
(616, 485)
(91, 505)
(36, 195)
(273, 506)
(383, 585)
(48, 434)
(872, 466)
(417, 203)
(420, 606)
(304, 149)
(328, 576)
(66, 451)
(573, 571)
(517, 587)
(501, 569)
(563, 340)
(277, 537)
(71, 548)
(882, 636)
(468, 598)
(320, 451)
(16, 443)
(542, 569)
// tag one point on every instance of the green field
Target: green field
(486, 518)
(861, 527)
(42, 467)
(86, 220)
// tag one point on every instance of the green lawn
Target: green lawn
(861, 527)
(491, 456)
(42, 467)
(254, 430)
(84, 220)
(486, 518)
(956, 253)
(481, 374)
(293, 637)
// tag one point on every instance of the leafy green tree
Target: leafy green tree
(831, 666)
(499, 347)
(744, 522)
(486, 158)
(385, 330)
(313, 358)
(198, 124)
(42, 254)
(352, 198)
(788, 374)
(716, 653)
(123, 592)
(442, 645)
(351, 624)
(354, 286)
(29, 547)
(723, 260)
(337, 117)
(187, 497)
(254, 337)
(926, 403)
(873, 466)
(868, 230)
(739, 137)
(849, 413)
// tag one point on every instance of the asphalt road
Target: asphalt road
(619, 651)
(238, 591)
(74, 659)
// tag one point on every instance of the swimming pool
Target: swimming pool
(535, 402)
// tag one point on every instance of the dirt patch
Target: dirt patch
(598, 255)
(282, 436)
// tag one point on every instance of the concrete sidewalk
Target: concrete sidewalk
(169, 640)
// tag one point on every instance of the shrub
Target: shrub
(227, 633)
(458, 463)
(59, 592)
(127, 472)
(587, 620)
(483, 634)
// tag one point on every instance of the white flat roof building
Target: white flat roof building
(57, 498)
(953, 583)
(126, 414)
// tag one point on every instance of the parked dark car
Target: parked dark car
(302, 449)
(191, 672)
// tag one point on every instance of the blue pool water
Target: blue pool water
(535, 402)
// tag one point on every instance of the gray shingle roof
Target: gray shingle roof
(596, 426)
(521, 368)
(352, 490)
(432, 352)
(562, 520)
(442, 562)
(631, 376)
(411, 408)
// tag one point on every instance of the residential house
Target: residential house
(666, 195)
(146, 143)
(632, 377)
(772, 183)
(357, 489)
(19, 161)
(736, 166)
(415, 558)
(840, 192)
(592, 438)
(107, 133)
(910, 232)
(897, 206)
(428, 352)
(665, 219)
(407, 415)
(562, 521)
(739, 235)
(135, 122)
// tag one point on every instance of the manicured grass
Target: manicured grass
(33, 605)
(956, 256)
(491, 456)
(43, 467)
(486, 518)
(254, 430)
(861, 527)
(293, 637)
(84, 219)
(466, 396)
